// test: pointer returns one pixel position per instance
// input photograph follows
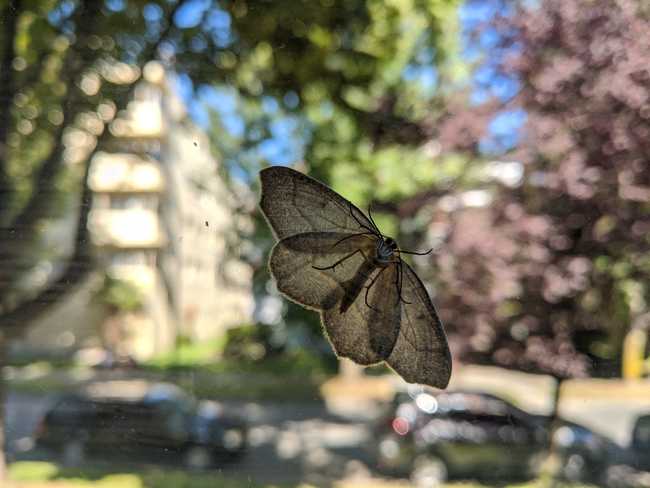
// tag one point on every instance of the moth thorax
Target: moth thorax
(385, 250)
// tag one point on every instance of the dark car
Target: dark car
(139, 420)
(629, 466)
(638, 455)
(584, 455)
(435, 436)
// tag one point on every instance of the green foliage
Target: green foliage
(158, 478)
(119, 295)
(361, 84)
(188, 354)
(246, 363)
(250, 344)
(32, 471)
(126, 478)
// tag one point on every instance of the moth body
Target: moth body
(383, 254)
(357, 283)
(385, 251)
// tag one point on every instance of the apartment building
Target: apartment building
(163, 220)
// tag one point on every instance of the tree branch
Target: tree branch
(80, 264)
(12, 324)
(408, 207)
(15, 238)
(7, 81)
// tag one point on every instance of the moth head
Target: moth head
(390, 242)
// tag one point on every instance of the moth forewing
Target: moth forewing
(294, 203)
(302, 266)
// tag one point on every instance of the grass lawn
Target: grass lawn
(220, 381)
(30, 474)
(292, 376)
(48, 475)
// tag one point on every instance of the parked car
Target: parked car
(630, 466)
(435, 436)
(139, 420)
(584, 455)
(638, 456)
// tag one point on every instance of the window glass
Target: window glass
(324, 243)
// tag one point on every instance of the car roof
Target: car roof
(452, 394)
(465, 400)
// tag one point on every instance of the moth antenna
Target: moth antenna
(372, 221)
(363, 226)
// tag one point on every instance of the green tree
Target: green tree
(562, 258)
(547, 277)
(359, 88)
(361, 80)
(56, 90)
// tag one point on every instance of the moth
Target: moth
(333, 259)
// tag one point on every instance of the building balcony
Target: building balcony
(126, 228)
(141, 276)
(122, 172)
(142, 120)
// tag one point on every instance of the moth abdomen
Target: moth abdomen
(352, 287)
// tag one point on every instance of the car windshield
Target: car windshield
(326, 243)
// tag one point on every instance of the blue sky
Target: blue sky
(286, 143)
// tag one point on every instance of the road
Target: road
(289, 443)
(292, 443)
(23, 413)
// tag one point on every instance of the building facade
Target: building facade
(162, 220)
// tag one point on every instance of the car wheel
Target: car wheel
(234, 442)
(197, 458)
(429, 471)
(390, 455)
(73, 453)
(574, 468)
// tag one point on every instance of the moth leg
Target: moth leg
(372, 282)
(400, 283)
(340, 261)
(350, 237)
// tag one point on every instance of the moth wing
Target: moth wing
(293, 261)
(421, 353)
(294, 203)
(367, 332)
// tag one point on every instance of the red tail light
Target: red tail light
(400, 425)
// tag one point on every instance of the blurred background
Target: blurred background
(142, 341)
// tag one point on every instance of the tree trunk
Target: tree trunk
(554, 424)
(556, 401)
(3, 462)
